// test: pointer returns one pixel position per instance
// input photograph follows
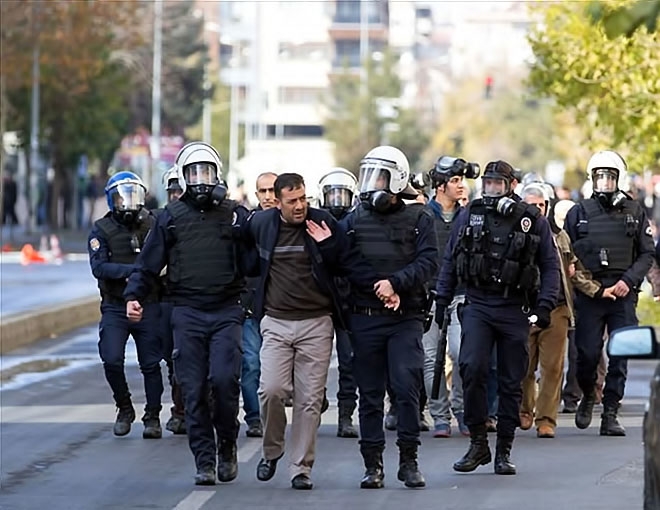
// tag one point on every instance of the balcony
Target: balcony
(348, 15)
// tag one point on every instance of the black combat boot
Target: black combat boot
(177, 423)
(585, 410)
(503, 464)
(373, 463)
(227, 460)
(609, 425)
(409, 472)
(125, 416)
(151, 420)
(478, 454)
(345, 426)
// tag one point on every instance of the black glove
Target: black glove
(440, 315)
(542, 317)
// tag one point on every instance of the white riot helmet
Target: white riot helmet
(200, 172)
(171, 183)
(608, 172)
(384, 171)
(337, 190)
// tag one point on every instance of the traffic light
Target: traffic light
(488, 87)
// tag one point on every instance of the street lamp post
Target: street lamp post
(152, 169)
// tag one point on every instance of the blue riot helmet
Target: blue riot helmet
(125, 194)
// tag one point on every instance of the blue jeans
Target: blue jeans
(251, 369)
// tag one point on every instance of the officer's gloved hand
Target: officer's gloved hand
(542, 314)
(440, 315)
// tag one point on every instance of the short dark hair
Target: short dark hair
(289, 181)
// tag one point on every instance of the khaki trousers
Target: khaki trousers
(295, 356)
(546, 348)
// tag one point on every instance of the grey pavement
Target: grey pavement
(27, 288)
(57, 451)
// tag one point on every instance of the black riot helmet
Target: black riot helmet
(447, 167)
(496, 187)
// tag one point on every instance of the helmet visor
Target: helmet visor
(127, 196)
(200, 173)
(605, 180)
(374, 176)
(494, 187)
(337, 197)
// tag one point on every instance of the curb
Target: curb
(26, 328)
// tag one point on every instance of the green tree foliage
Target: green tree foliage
(625, 20)
(82, 87)
(612, 86)
(184, 55)
(510, 125)
(358, 120)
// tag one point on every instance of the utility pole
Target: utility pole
(151, 173)
(206, 110)
(33, 177)
(364, 55)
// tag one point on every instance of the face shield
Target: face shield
(200, 174)
(337, 197)
(494, 187)
(374, 176)
(605, 180)
(127, 196)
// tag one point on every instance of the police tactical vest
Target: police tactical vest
(203, 258)
(389, 241)
(606, 239)
(124, 245)
(497, 253)
(442, 233)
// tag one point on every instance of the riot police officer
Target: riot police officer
(398, 241)
(611, 236)
(447, 179)
(114, 244)
(197, 237)
(502, 250)
(177, 421)
(337, 191)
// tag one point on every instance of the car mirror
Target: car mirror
(633, 342)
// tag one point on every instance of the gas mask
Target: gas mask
(611, 200)
(503, 205)
(126, 217)
(208, 195)
(380, 201)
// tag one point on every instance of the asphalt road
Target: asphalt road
(26, 288)
(57, 451)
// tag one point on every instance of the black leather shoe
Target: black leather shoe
(266, 468)
(585, 410)
(302, 482)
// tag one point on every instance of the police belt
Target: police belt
(383, 312)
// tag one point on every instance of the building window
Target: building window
(348, 11)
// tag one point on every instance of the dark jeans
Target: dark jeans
(114, 330)
(385, 345)
(251, 369)
(207, 350)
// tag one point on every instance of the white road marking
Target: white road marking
(195, 500)
(248, 450)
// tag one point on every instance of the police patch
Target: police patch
(234, 218)
(525, 224)
(94, 244)
(476, 220)
(648, 231)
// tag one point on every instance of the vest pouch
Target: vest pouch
(517, 244)
(476, 267)
(402, 235)
(631, 225)
(509, 273)
(461, 266)
(530, 279)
